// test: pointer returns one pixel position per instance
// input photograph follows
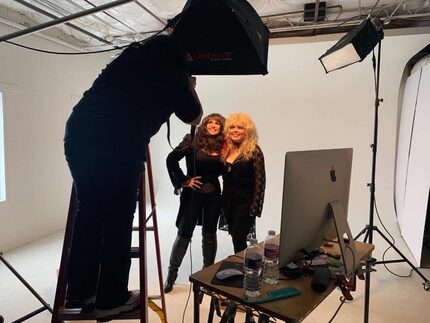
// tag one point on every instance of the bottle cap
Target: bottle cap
(272, 232)
(253, 241)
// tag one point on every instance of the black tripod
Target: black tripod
(368, 230)
(35, 312)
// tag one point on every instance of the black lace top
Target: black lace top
(198, 164)
(245, 181)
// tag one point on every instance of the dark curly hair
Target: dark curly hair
(210, 144)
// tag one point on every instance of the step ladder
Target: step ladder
(61, 314)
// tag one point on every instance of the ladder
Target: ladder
(60, 313)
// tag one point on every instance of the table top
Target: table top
(293, 309)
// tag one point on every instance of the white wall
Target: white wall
(38, 92)
(296, 107)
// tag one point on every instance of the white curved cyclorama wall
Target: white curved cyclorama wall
(413, 161)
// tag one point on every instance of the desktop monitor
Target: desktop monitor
(312, 180)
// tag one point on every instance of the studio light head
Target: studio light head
(354, 46)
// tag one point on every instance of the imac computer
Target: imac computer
(315, 204)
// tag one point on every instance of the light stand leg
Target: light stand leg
(404, 259)
(368, 230)
(22, 280)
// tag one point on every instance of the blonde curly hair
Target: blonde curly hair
(250, 141)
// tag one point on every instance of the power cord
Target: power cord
(84, 53)
(192, 209)
(353, 259)
(189, 289)
(342, 301)
(64, 53)
(386, 250)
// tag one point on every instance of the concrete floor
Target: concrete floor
(393, 299)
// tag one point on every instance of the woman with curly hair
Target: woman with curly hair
(200, 201)
(244, 178)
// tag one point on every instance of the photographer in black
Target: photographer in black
(105, 147)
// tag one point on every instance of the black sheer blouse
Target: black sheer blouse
(198, 164)
(245, 181)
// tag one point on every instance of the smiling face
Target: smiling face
(236, 133)
(213, 127)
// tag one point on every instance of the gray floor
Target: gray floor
(393, 299)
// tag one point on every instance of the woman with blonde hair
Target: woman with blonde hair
(244, 178)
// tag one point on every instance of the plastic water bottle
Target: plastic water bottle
(253, 268)
(271, 258)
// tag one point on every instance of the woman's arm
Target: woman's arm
(177, 176)
(260, 183)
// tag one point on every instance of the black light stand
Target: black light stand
(35, 312)
(352, 48)
(370, 227)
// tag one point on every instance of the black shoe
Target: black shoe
(170, 281)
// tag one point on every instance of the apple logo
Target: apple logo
(333, 174)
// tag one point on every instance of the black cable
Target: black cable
(389, 247)
(353, 260)
(380, 221)
(342, 301)
(189, 289)
(192, 209)
(65, 53)
(84, 53)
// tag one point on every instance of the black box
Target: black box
(310, 11)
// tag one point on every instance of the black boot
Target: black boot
(209, 248)
(179, 249)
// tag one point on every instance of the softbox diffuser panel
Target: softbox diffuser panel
(354, 46)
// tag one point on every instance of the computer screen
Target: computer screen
(312, 179)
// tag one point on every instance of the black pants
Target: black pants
(196, 207)
(106, 184)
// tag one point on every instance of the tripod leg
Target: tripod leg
(22, 280)
(365, 230)
(426, 281)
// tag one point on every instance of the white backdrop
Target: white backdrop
(412, 187)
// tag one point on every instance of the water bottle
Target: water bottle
(253, 268)
(271, 258)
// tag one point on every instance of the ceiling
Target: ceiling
(126, 21)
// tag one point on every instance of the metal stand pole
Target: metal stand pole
(368, 230)
(41, 309)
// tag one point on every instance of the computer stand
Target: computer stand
(35, 312)
(347, 246)
(368, 230)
